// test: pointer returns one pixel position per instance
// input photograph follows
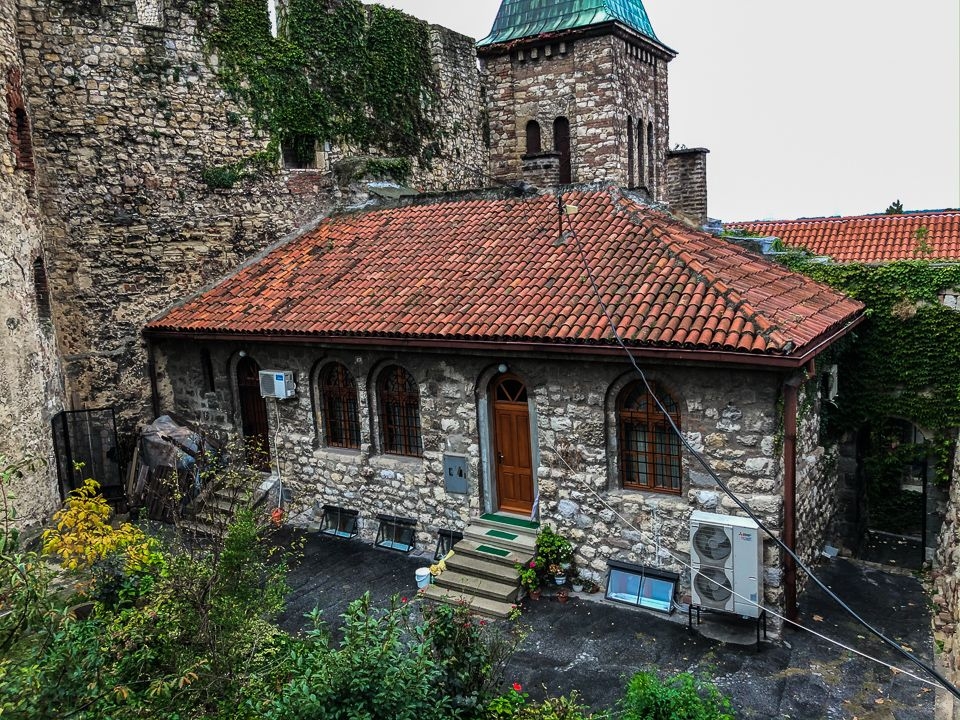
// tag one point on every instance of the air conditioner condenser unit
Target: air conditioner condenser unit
(726, 556)
(277, 384)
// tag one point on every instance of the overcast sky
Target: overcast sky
(821, 107)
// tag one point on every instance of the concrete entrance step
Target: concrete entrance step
(492, 553)
(481, 605)
(501, 538)
(483, 568)
(507, 523)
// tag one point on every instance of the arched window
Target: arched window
(534, 145)
(641, 166)
(561, 143)
(399, 402)
(649, 449)
(41, 288)
(338, 397)
(630, 157)
(651, 160)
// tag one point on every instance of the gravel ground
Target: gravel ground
(592, 645)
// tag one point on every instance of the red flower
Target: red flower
(533, 563)
(403, 599)
(276, 516)
(517, 687)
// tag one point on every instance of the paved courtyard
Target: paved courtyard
(592, 645)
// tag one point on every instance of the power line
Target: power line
(745, 599)
(561, 207)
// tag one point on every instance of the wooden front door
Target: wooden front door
(253, 414)
(512, 452)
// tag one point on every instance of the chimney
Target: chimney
(687, 183)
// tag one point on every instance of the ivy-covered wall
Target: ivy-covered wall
(363, 77)
(904, 360)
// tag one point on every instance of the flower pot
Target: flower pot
(560, 579)
(563, 596)
(578, 587)
(534, 594)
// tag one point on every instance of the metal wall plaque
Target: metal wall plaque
(455, 473)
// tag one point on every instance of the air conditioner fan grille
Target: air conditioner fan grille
(712, 543)
(713, 584)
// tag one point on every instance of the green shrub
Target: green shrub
(682, 697)
(514, 705)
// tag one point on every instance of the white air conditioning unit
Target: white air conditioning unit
(277, 384)
(726, 556)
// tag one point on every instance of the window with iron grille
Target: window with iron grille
(399, 402)
(649, 449)
(341, 418)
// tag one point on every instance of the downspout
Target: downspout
(152, 369)
(790, 409)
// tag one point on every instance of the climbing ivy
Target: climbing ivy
(904, 360)
(339, 71)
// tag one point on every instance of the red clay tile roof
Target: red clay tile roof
(496, 270)
(869, 238)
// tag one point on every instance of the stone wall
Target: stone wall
(946, 584)
(31, 388)
(461, 159)
(817, 482)
(686, 192)
(596, 83)
(128, 116)
(729, 415)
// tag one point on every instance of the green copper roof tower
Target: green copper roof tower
(528, 18)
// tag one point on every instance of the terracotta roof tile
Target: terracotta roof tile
(495, 270)
(933, 235)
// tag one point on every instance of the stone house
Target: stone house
(468, 329)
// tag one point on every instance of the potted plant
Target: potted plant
(529, 576)
(559, 576)
(577, 581)
(563, 595)
(553, 548)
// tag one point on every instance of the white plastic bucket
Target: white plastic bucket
(423, 577)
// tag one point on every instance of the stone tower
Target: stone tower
(577, 92)
(31, 389)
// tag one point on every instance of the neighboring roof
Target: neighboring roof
(528, 18)
(480, 271)
(928, 235)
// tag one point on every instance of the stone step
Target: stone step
(507, 523)
(497, 537)
(481, 587)
(480, 605)
(482, 568)
(492, 553)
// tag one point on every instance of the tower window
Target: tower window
(641, 166)
(651, 161)
(630, 156)
(534, 145)
(561, 143)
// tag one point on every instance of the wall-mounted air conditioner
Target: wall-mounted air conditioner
(277, 384)
(726, 556)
